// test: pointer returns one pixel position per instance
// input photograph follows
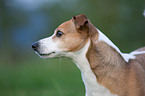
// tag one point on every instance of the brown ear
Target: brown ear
(83, 24)
(80, 21)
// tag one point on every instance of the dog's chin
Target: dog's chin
(48, 56)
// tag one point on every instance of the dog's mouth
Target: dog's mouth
(47, 54)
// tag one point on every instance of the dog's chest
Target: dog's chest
(93, 88)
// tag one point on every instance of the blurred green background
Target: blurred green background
(22, 22)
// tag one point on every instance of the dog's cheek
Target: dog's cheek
(62, 47)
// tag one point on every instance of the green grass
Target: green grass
(38, 77)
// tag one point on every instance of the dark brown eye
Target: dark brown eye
(59, 34)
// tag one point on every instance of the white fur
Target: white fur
(126, 57)
(47, 45)
(137, 52)
(89, 79)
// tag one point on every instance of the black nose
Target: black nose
(35, 46)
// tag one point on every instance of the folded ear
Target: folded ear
(81, 22)
(84, 25)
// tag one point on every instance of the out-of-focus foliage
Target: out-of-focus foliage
(22, 22)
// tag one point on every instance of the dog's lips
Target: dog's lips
(46, 54)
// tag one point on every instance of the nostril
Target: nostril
(35, 46)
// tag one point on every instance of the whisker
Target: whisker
(60, 64)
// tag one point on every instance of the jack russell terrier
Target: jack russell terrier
(105, 70)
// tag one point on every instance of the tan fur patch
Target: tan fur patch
(71, 40)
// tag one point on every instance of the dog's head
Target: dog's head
(71, 36)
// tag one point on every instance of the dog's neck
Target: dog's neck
(93, 88)
(84, 63)
(80, 59)
(108, 66)
(104, 60)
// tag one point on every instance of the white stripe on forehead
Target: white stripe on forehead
(104, 38)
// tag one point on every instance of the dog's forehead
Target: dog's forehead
(67, 26)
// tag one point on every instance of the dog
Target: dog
(105, 70)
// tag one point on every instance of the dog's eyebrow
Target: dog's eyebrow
(59, 30)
